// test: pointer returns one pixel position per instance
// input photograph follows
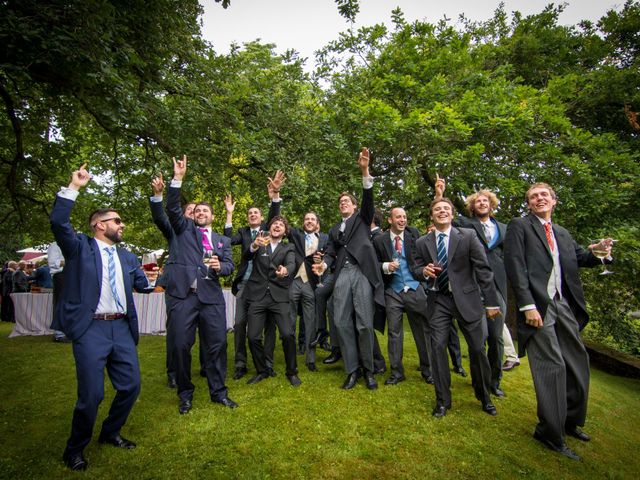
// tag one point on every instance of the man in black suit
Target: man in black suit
(268, 291)
(161, 220)
(403, 294)
(542, 262)
(97, 313)
(195, 295)
(244, 237)
(20, 279)
(463, 289)
(358, 280)
(481, 206)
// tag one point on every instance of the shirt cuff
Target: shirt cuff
(528, 307)
(367, 182)
(276, 200)
(156, 198)
(68, 193)
(385, 268)
(175, 183)
(228, 225)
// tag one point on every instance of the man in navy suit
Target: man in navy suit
(96, 311)
(195, 296)
(464, 289)
(161, 221)
(542, 262)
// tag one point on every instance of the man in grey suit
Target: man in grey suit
(491, 233)
(463, 289)
(542, 261)
(403, 293)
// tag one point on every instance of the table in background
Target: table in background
(34, 313)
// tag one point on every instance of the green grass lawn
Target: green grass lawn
(315, 431)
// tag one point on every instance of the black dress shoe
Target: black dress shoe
(171, 383)
(509, 365)
(351, 381)
(227, 402)
(578, 433)
(333, 358)
(439, 411)
(184, 407)
(562, 449)
(393, 380)
(118, 441)
(379, 371)
(294, 380)
(239, 373)
(460, 371)
(429, 379)
(490, 408)
(498, 392)
(312, 367)
(75, 462)
(370, 381)
(257, 378)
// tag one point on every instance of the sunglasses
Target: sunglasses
(116, 220)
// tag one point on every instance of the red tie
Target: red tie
(547, 231)
(398, 244)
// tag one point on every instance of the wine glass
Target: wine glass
(317, 258)
(207, 254)
(437, 268)
(600, 251)
(264, 234)
(397, 256)
(149, 261)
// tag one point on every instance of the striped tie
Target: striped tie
(443, 278)
(111, 266)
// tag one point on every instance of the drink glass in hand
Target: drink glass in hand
(149, 262)
(601, 251)
(437, 268)
(317, 259)
(264, 234)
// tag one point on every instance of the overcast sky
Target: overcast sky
(308, 25)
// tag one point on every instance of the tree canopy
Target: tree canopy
(498, 104)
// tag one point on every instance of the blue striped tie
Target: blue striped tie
(111, 266)
(443, 278)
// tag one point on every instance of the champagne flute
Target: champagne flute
(437, 268)
(264, 234)
(206, 256)
(317, 258)
(601, 251)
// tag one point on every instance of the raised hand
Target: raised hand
(157, 184)
(179, 167)
(229, 204)
(439, 187)
(79, 178)
(275, 184)
(363, 161)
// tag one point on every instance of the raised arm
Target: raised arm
(158, 215)
(367, 208)
(174, 211)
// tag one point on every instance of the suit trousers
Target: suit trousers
(258, 312)
(324, 309)
(414, 304)
(495, 343)
(105, 344)
(441, 311)
(170, 352)
(302, 293)
(453, 346)
(240, 333)
(353, 294)
(560, 369)
(187, 314)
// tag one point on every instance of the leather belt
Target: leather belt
(108, 316)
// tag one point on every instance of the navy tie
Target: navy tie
(443, 278)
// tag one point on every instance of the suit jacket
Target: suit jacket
(188, 262)
(161, 220)
(83, 276)
(263, 277)
(495, 253)
(384, 251)
(243, 238)
(356, 241)
(298, 239)
(20, 282)
(528, 262)
(470, 276)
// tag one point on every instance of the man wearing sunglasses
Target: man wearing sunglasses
(96, 311)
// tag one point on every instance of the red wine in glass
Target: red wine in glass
(437, 269)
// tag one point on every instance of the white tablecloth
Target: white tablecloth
(34, 313)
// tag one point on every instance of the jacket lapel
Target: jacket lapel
(387, 244)
(431, 246)
(97, 258)
(453, 243)
(539, 231)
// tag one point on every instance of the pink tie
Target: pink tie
(205, 240)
